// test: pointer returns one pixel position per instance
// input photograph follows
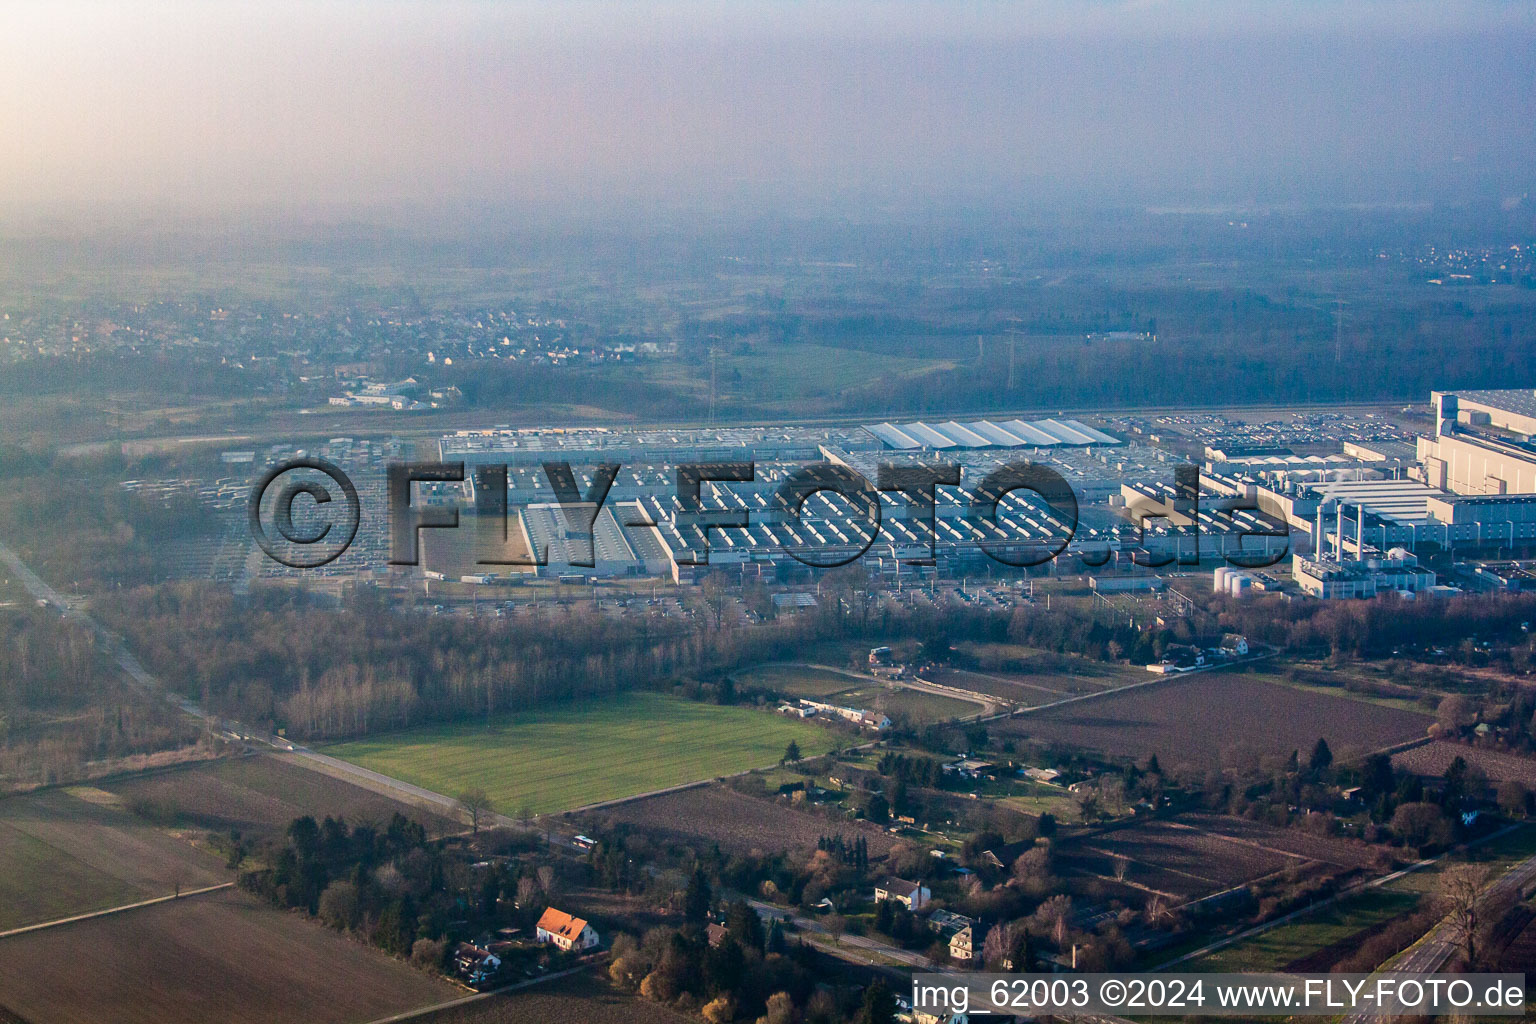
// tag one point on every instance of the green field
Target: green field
(1272, 950)
(577, 754)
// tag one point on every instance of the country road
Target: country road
(1439, 944)
(107, 912)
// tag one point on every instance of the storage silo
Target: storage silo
(1219, 580)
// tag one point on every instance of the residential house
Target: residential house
(564, 931)
(962, 946)
(474, 964)
(912, 895)
(1234, 645)
(970, 768)
(875, 720)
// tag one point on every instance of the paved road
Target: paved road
(1373, 883)
(1438, 946)
(846, 942)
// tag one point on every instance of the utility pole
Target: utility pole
(1338, 331)
(712, 352)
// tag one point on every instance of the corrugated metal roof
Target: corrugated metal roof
(963, 435)
(893, 436)
(1068, 435)
(1031, 433)
(997, 435)
(1097, 435)
(926, 434)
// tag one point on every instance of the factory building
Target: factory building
(1397, 570)
(1048, 433)
(1466, 456)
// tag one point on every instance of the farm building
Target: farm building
(858, 716)
(912, 895)
(564, 931)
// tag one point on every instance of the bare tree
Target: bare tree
(476, 803)
(1461, 888)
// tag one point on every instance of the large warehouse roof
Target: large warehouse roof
(987, 434)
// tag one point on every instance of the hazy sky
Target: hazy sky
(216, 103)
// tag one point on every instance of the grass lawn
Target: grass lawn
(1401, 703)
(572, 755)
(1272, 950)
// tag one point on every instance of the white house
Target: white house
(564, 931)
(912, 895)
(1235, 645)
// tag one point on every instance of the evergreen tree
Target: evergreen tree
(698, 900)
(1321, 757)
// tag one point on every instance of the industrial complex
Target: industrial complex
(1319, 504)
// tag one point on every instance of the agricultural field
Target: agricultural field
(1019, 664)
(581, 997)
(1023, 690)
(836, 686)
(916, 706)
(1197, 855)
(561, 758)
(1432, 759)
(214, 957)
(67, 852)
(1216, 719)
(798, 680)
(738, 822)
(1344, 922)
(260, 795)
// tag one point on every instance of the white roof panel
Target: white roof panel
(1030, 434)
(996, 434)
(1067, 434)
(893, 436)
(1098, 436)
(927, 435)
(963, 435)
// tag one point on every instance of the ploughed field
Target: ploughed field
(1433, 759)
(1199, 854)
(575, 754)
(71, 851)
(739, 823)
(582, 998)
(215, 957)
(1216, 719)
